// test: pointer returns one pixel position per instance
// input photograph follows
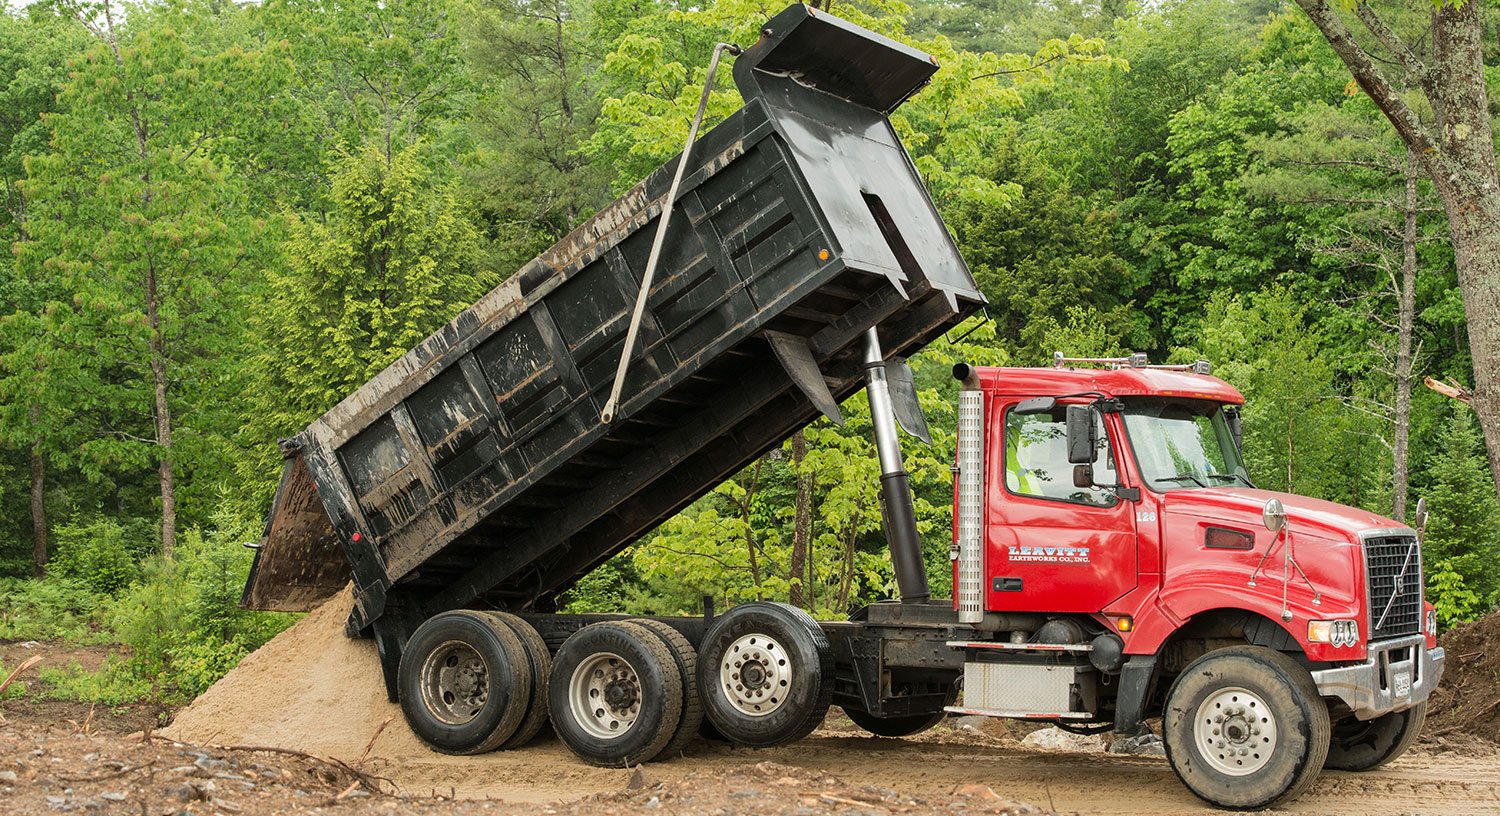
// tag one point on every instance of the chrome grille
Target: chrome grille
(1384, 559)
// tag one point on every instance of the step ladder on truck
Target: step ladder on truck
(1112, 561)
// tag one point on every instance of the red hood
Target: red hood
(1304, 515)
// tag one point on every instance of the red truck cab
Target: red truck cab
(1118, 495)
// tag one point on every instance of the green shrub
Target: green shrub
(1447, 590)
(49, 609)
(182, 621)
(102, 553)
(113, 685)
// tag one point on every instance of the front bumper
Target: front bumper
(1397, 675)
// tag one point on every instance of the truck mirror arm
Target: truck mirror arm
(1083, 476)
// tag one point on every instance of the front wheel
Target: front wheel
(1245, 728)
(1361, 745)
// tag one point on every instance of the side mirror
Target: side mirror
(1419, 518)
(1083, 435)
(1236, 429)
(1083, 476)
(1274, 515)
(1035, 405)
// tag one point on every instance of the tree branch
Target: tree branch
(1391, 41)
(1374, 83)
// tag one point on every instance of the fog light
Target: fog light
(1337, 632)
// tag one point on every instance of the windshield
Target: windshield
(1182, 444)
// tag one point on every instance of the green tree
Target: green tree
(371, 73)
(1441, 63)
(136, 216)
(1463, 530)
(1297, 438)
(34, 418)
(536, 73)
(395, 260)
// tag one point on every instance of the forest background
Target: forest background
(223, 217)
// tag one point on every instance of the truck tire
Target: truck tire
(464, 682)
(687, 668)
(765, 671)
(1245, 728)
(903, 726)
(1363, 745)
(615, 694)
(540, 662)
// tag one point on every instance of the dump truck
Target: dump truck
(1112, 560)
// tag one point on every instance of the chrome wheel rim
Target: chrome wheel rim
(605, 695)
(1235, 731)
(756, 675)
(454, 682)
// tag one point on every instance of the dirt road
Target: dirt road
(1425, 781)
(317, 691)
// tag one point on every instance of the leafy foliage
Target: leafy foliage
(323, 184)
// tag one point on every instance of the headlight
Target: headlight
(1337, 632)
(1432, 623)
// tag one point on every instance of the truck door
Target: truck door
(1053, 546)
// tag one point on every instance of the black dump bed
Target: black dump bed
(476, 470)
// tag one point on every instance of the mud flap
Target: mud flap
(903, 390)
(796, 357)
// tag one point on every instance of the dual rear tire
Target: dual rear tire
(618, 693)
(469, 682)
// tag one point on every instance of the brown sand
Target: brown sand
(310, 688)
(315, 690)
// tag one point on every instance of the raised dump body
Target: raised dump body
(475, 470)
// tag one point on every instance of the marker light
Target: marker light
(354, 537)
(1337, 632)
(1124, 624)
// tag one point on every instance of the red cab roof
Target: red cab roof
(1118, 382)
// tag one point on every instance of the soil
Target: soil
(314, 691)
(1467, 699)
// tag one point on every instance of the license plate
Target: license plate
(1401, 683)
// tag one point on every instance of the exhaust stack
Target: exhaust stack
(895, 488)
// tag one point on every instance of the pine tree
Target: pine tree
(395, 261)
(1463, 530)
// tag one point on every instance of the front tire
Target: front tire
(1245, 728)
(1363, 745)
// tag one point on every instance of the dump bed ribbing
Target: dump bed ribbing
(475, 469)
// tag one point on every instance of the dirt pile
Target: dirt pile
(1467, 699)
(310, 688)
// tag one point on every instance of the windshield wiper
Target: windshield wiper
(1229, 477)
(1183, 477)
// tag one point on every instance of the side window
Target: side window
(1036, 460)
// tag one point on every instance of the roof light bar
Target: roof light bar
(1135, 360)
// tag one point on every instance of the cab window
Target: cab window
(1036, 459)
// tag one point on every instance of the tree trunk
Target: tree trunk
(1404, 325)
(38, 512)
(749, 530)
(1457, 154)
(163, 413)
(802, 529)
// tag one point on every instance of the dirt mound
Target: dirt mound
(1467, 699)
(310, 688)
